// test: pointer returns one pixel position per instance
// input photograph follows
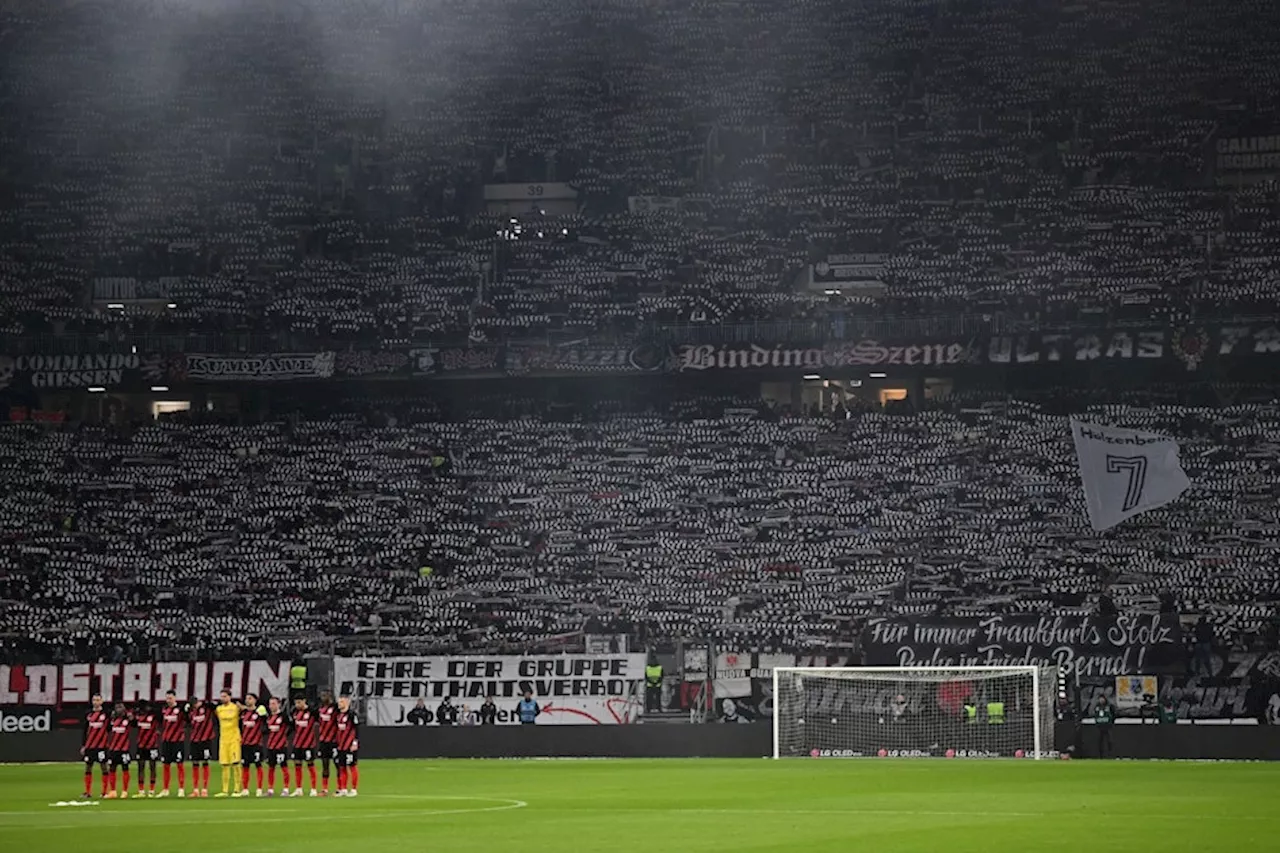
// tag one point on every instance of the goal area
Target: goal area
(914, 712)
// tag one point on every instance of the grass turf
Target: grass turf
(685, 805)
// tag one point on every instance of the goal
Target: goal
(914, 712)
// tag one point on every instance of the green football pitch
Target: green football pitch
(684, 805)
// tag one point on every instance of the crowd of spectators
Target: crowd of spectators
(504, 528)
(314, 169)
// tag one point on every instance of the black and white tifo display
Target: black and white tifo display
(916, 712)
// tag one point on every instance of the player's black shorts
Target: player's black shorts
(250, 755)
(171, 752)
(304, 755)
(119, 758)
(328, 751)
(202, 751)
(348, 759)
(148, 754)
(94, 756)
(277, 758)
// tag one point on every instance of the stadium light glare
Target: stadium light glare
(812, 376)
(159, 387)
(877, 375)
(119, 306)
(172, 305)
(97, 389)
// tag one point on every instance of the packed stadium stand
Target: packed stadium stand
(277, 177)
(769, 529)
(313, 170)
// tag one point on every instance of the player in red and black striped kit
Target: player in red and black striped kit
(147, 722)
(252, 723)
(328, 736)
(118, 755)
(94, 745)
(173, 739)
(203, 748)
(348, 726)
(277, 737)
(305, 732)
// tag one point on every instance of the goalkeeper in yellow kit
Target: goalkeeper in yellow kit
(228, 743)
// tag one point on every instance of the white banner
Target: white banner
(570, 689)
(1125, 472)
(73, 683)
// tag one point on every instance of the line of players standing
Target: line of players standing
(331, 733)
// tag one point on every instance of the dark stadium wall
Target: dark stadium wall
(688, 741)
(653, 741)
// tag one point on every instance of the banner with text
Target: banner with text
(446, 361)
(274, 367)
(743, 685)
(72, 371)
(1089, 645)
(570, 689)
(647, 204)
(352, 364)
(865, 353)
(850, 271)
(1190, 347)
(75, 683)
(583, 359)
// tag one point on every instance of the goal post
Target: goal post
(914, 712)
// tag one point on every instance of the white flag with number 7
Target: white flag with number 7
(1125, 472)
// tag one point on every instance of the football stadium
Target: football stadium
(639, 424)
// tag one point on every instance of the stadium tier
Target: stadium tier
(430, 172)
(500, 531)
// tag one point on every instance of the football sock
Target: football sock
(182, 776)
(88, 783)
(244, 777)
(259, 777)
(271, 778)
(355, 778)
(342, 778)
(226, 779)
(167, 777)
(125, 786)
(297, 776)
(311, 771)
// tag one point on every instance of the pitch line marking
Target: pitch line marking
(186, 816)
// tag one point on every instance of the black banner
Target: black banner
(73, 371)
(363, 363)
(446, 361)
(260, 367)
(850, 270)
(1089, 645)
(864, 353)
(1191, 346)
(583, 358)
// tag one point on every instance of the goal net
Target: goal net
(913, 712)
